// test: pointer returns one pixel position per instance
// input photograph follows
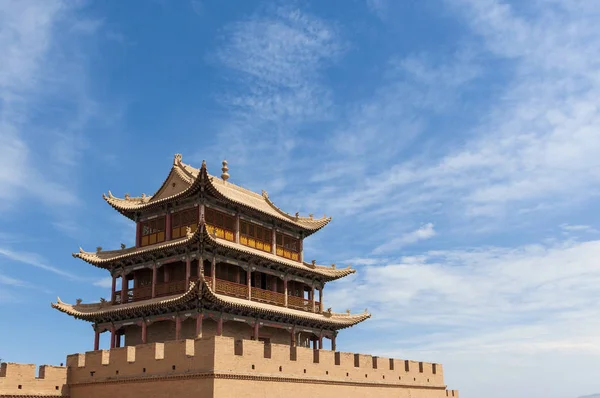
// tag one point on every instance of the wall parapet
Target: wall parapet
(224, 357)
(20, 379)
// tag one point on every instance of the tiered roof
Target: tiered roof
(184, 180)
(202, 290)
(104, 259)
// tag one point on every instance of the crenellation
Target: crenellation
(21, 379)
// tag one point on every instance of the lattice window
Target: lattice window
(153, 231)
(253, 235)
(220, 223)
(183, 219)
(288, 247)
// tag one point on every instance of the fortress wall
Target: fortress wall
(20, 379)
(250, 369)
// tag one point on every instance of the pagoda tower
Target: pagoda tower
(212, 258)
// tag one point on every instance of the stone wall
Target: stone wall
(20, 380)
(224, 367)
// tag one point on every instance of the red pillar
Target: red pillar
(96, 340)
(138, 234)
(312, 298)
(153, 280)
(114, 288)
(293, 337)
(333, 346)
(256, 326)
(213, 270)
(199, 325)
(117, 340)
(188, 265)
(320, 341)
(177, 328)
(124, 295)
(144, 332)
(249, 283)
(220, 326)
(168, 227)
(112, 337)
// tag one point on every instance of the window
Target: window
(220, 223)
(153, 231)
(183, 219)
(288, 247)
(253, 235)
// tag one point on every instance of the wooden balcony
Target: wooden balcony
(255, 243)
(286, 253)
(222, 287)
(221, 232)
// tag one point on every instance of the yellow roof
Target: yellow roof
(104, 259)
(183, 180)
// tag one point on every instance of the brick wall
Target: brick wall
(20, 379)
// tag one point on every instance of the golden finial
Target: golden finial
(225, 170)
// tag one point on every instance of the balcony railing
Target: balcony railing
(223, 287)
(283, 252)
(221, 232)
(229, 288)
(255, 243)
(267, 296)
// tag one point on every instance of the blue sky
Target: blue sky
(455, 143)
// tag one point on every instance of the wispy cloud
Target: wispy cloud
(424, 232)
(104, 282)
(578, 228)
(35, 260)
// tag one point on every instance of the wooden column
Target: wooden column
(213, 270)
(114, 288)
(96, 340)
(201, 211)
(168, 227)
(154, 280)
(321, 307)
(256, 327)
(285, 291)
(312, 299)
(144, 332)
(237, 275)
(301, 249)
(112, 337)
(124, 295)
(117, 340)
(188, 270)
(166, 273)
(249, 283)
(293, 337)
(237, 228)
(274, 245)
(220, 326)
(333, 346)
(321, 341)
(199, 325)
(177, 328)
(138, 234)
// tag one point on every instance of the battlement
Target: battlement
(20, 379)
(229, 358)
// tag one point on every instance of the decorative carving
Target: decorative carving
(123, 246)
(103, 302)
(78, 301)
(348, 311)
(333, 266)
(297, 214)
(310, 216)
(188, 232)
(98, 249)
(177, 158)
(313, 263)
(225, 169)
(127, 196)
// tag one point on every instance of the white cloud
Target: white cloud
(578, 228)
(527, 302)
(424, 232)
(34, 260)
